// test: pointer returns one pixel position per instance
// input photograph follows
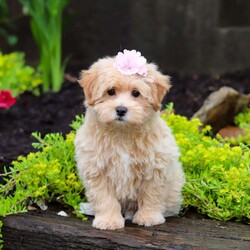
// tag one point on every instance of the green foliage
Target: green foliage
(242, 120)
(46, 26)
(16, 76)
(218, 176)
(77, 122)
(1, 236)
(49, 174)
(5, 24)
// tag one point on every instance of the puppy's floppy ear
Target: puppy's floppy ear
(161, 86)
(87, 80)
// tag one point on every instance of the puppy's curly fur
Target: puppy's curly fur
(126, 155)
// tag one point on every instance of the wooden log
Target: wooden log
(49, 231)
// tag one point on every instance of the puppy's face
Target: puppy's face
(123, 99)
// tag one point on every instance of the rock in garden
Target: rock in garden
(231, 131)
(62, 213)
(220, 108)
(41, 204)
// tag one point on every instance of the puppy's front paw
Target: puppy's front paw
(110, 222)
(147, 218)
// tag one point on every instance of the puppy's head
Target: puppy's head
(118, 98)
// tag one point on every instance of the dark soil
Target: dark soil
(54, 112)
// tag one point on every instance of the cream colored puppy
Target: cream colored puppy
(126, 155)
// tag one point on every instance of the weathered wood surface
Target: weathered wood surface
(49, 231)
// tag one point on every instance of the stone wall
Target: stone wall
(187, 36)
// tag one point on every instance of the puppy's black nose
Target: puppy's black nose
(121, 110)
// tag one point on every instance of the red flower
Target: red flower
(6, 99)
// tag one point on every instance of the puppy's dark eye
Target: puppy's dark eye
(135, 93)
(111, 92)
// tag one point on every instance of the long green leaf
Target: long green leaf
(46, 26)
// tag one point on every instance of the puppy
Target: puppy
(126, 155)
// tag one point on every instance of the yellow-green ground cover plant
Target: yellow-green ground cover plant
(1, 236)
(217, 173)
(242, 120)
(48, 174)
(16, 76)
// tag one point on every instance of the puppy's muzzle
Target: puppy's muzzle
(121, 111)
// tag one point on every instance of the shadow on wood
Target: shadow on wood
(49, 231)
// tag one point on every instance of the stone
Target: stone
(220, 108)
(231, 132)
